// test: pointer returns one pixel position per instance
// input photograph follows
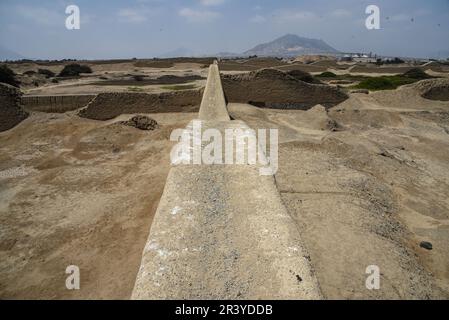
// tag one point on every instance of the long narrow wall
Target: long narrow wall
(213, 105)
(222, 231)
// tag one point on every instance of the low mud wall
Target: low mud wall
(107, 106)
(11, 112)
(275, 89)
(56, 104)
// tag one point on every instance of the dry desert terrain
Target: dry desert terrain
(365, 176)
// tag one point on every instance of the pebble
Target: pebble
(426, 245)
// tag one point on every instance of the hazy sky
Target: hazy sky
(146, 28)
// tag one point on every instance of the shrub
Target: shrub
(416, 73)
(74, 69)
(303, 76)
(29, 73)
(8, 76)
(327, 74)
(46, 73)
(138, 78)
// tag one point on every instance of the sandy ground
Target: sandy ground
(76, 191)
(366, 182)
(91, 83)
(368, 193)
(87, 87)
(81, 192)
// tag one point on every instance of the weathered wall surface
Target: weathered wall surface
(56, 104)
(276, 89)
(222, 231)
(213, 104)
(11, 112)
(434, 89)
(110, 105)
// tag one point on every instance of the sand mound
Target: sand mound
(361, 111)
(433, 66)
(365, 118)
(326, 63)
(141, 122)
(312, 58)
(303, 67)
(433, 89)
(107, 106)
(275, 89)
(11, 112)
(423, 95)
(318, 119)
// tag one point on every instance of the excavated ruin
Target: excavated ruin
(11, 111)
(434, 89)
(273, 88)
(106, 106)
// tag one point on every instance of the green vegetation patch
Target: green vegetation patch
(384, 82)
(392, 82)
(327, 74)
(135, 89)
(379, 83)
(74, 69)
(417, 73)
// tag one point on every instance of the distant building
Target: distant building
(363, 58)
(359, 57)
(346, 58)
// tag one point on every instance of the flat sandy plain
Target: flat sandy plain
(365, 181)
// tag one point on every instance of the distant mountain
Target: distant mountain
(180, 52)
(187, 53)
(226, 55)
(6, 54)
(291, 45)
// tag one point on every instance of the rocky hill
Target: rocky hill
(290, 46)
